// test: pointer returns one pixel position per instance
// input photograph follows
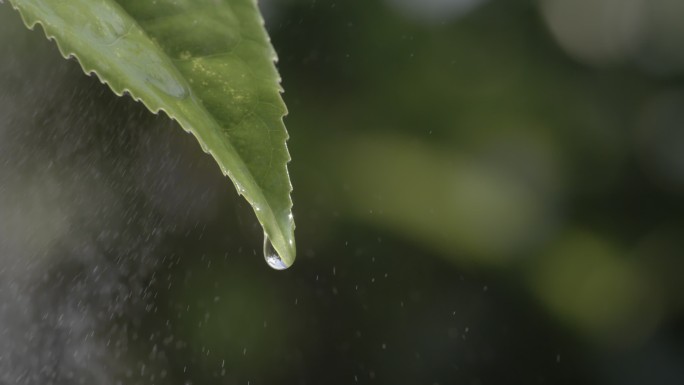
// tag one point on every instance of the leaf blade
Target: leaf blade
(207, 64)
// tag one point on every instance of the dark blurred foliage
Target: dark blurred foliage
(486, 192)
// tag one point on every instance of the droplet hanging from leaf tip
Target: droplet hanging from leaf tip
(271, 255)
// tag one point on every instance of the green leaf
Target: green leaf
(209, 65)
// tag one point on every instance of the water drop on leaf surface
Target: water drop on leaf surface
(271, 255)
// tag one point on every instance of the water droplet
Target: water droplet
(164, 80)
(271, 255)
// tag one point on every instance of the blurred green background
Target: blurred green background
(486, 192)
